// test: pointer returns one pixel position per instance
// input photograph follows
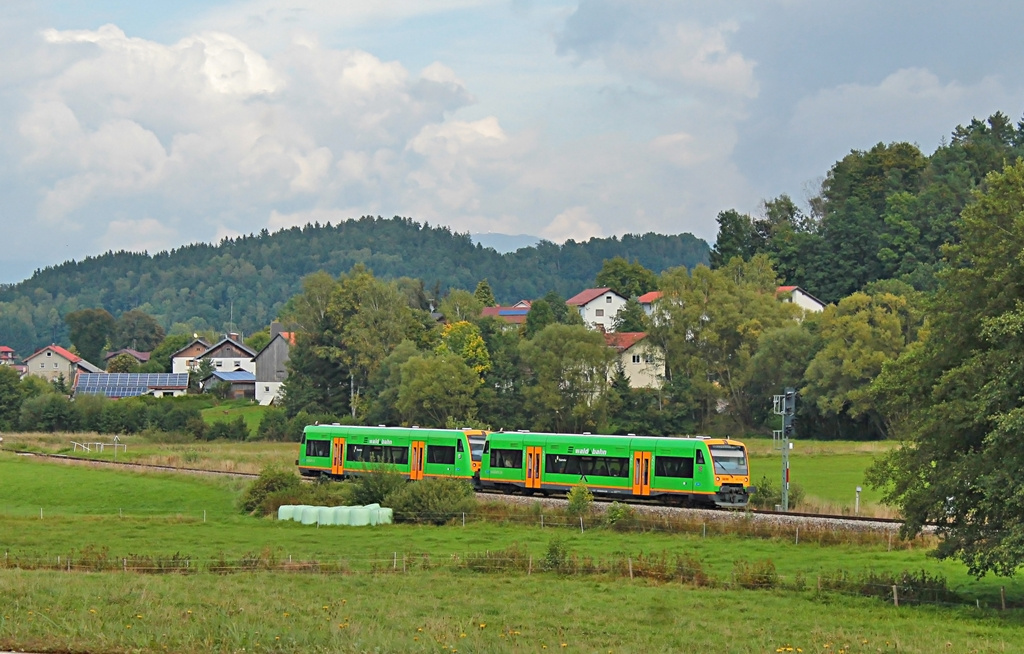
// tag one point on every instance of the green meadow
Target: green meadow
(375, 606)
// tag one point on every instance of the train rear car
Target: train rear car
(345, 451)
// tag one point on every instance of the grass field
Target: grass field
(427, 610)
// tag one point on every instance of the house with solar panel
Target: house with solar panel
(52, 362)
(513, 315)
(119, 385)
(598, 307)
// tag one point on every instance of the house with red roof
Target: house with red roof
(6, 356)
(799, 297)
(140, 357)
(647, 301)
(598, 307)
(53, 361)
(513, 315)
(641, 359)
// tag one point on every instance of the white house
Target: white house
(642, 361)
(53, 362)
(230, 354)
(800, 297)
(598, 307)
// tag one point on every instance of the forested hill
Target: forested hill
(251, 277)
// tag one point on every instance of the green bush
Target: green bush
(50, 412)
(271, 480)
(233, 430)
(273, 426)
(435, 500)
(581, 500)
(557, 556)
(375, 486)
(769, 494)
(621, 517)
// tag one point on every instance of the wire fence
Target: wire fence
(899, 589)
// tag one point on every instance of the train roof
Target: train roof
(615, 437)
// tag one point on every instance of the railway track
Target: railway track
(556, 500)
(127, 465)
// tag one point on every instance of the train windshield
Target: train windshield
(729, 459)
(476, 448)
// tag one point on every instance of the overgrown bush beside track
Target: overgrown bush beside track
(434, 500)
(275, 487)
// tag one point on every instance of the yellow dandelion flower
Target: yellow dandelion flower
(127, 626)
(138, 617)
(415, 637)
(92, 610)
(483, 624)
(189, 612)
(277, 638)
(420, 629)
(344, 601)
(462, 635)
(286, 614)
(565, 644)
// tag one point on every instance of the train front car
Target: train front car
(731, 473)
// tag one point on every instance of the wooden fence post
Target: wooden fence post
(895, 597)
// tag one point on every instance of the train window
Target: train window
(444, 454)
(506, 458)
(673, 466)
(318, 448)
(699, 458)
(378, 454)
(600, 466)
(729, 459)
(459, 446)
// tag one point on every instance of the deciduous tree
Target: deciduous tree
(955, 399)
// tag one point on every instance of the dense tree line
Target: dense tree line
(880, 214)
(243, 283)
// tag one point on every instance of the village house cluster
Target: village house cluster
(260, 375)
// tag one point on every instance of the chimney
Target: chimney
(275, 329)
(234, 336)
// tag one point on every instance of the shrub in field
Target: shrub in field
(273, 426)
(375, 486)
(621, 517)
(234, 430)
(755, 574)
(271, 480)
(435, 500)
(581, 500)
(49, 412)
(557, 556)
(769, 494)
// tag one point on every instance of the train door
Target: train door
(416, 462)
(641, 473)
(338, 460)
(533, 466)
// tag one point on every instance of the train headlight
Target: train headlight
(718, 479)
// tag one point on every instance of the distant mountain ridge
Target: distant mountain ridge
(196, 286)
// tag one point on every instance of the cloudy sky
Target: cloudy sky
(144, 126)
